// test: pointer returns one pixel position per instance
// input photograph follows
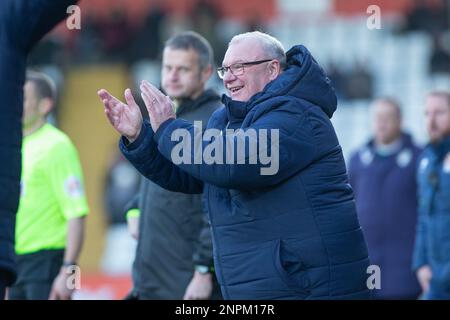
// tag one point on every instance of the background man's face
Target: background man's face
(181, 76)
(437, 116)
(386, 122)
(254, 79)
(30, 104)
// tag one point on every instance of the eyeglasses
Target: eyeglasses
(237, 69)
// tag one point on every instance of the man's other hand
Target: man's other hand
(200, 287)
(60, 289)
(159, 106)
(424, 276)
(125, 118)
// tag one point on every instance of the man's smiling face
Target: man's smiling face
(255, 77)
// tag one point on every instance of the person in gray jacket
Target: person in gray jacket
(174, 251)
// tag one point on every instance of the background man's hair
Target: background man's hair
(192, 40)
(44, 85)
(271, 45)
(392, 102)
(440, 93)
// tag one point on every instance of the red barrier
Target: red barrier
(103, 287)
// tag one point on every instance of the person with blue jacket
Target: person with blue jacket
(382, 174)
(431, 260)
(22, 24)
(283, 226)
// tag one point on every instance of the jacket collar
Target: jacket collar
(236, 110)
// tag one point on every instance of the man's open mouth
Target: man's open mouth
(235, 89)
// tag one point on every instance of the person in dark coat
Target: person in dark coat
(22, 24)
(174, 251)
(431, 260)
(282, 212)
(383, 176)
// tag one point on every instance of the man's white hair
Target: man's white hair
(270, 45)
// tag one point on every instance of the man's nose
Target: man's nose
(228, 76)
(173, 75)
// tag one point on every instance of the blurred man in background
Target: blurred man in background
(383, 176)
(174, 252)
(432, 249)
(22, 24)
(50, 220)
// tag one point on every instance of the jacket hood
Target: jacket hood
(303, 78)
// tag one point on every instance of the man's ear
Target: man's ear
(205, 74)
(274, 69)
(45, 106)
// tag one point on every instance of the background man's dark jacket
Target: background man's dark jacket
(386, 200)
(174, 234)
(22, 24)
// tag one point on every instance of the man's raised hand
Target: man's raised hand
(159, 106)
(125, 118)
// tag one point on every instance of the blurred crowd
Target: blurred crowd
(117, 38)
(433, 18)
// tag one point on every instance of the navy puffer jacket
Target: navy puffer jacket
(290, 235)
(385, 192)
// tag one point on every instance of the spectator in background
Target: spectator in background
(382, 174)
(352, 84)
(48, 51)
(432, 248)
(440, 57)
(430, 16)
(52, 210)
(359, 82)
(147, 41)
(116, 35)
(121, 185)
(205, 17)
(87, 45)
(174, 252)
(255, 23)
(338, 79)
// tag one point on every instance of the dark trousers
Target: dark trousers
(149, 295)
(30, 291)
(35, 275)
(2, 286)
